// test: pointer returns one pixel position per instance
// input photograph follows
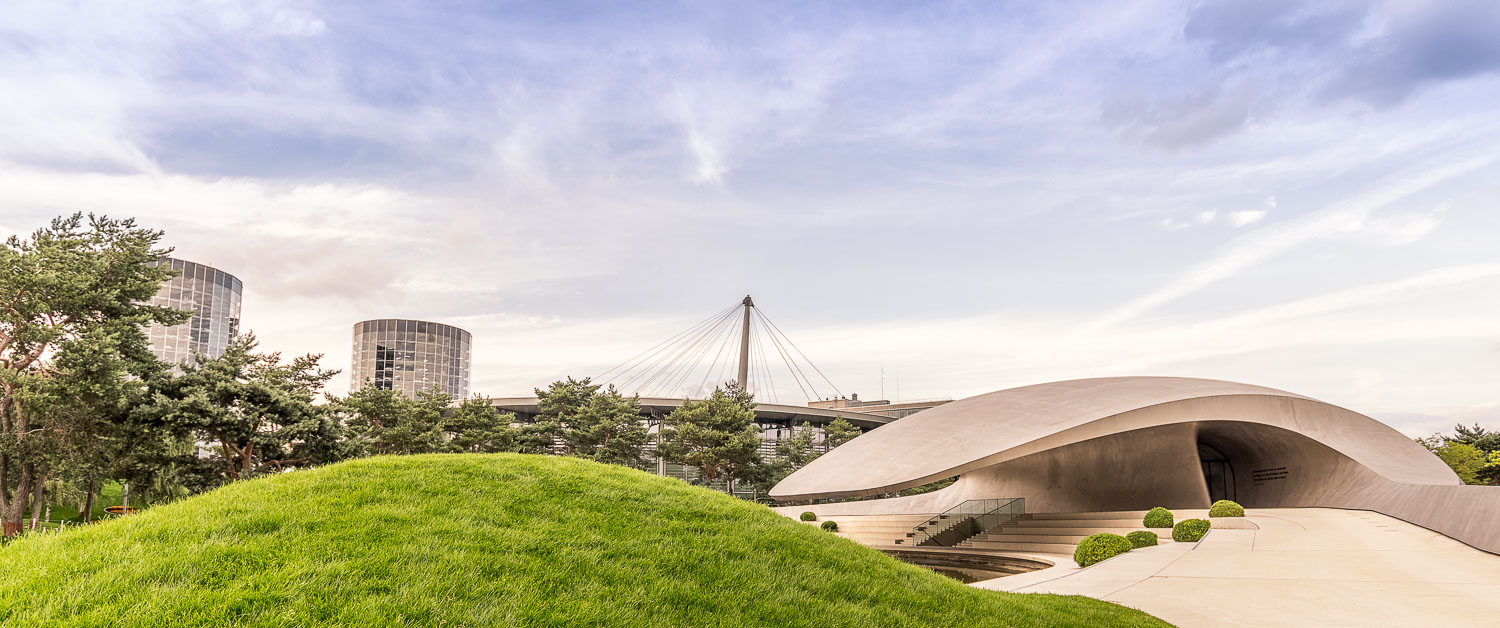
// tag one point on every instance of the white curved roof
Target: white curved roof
(988, 429)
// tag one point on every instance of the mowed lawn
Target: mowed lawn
(482, 540)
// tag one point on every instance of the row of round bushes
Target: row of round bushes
(1187, 530)
(831, 526)
(1100, 547)
(1160, 517)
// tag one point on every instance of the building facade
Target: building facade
(410, 356)
(1131, 443)
(212, 295)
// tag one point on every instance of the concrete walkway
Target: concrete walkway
(1294, 567)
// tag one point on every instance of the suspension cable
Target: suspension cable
(672, 363)
(691, 366)
(669, 368)
(645, 370)
(661, 344)
(787, 359)
(668, 354)
(710, 371)
(799, 352)
(791, 362)
(691, 360)
(765, 365)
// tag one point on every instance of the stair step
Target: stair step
(1054, 548)
(1084, 531)
(1126, 514)
(1071, 539)
(1079, 523)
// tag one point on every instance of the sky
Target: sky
(930, 199)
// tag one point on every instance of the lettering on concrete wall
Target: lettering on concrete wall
(1259, 477)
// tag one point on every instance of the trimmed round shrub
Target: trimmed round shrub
(1141, 538)
(831, 526)
(809, 516)
(1226, 508)
(1158, 518)
(1190, 530)
(1098, 548)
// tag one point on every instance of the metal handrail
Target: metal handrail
(967, 519)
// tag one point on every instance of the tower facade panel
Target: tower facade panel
(212, 295)
(410, 356)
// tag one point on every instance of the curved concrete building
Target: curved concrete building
(1131, 443)
(410, 356)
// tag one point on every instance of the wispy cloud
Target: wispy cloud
(1246, 217)
(1343, 219)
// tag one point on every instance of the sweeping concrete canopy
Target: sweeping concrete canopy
(1127, 443)
(988, 429)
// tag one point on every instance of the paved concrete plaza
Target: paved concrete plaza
(1294, 567)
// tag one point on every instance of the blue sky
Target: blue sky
(979, 195)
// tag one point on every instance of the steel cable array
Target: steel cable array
(672, 368)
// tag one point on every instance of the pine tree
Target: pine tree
(256, 413)
(716, 435)
(73, 300)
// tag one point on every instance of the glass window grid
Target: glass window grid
(212, 296)
(410, 356)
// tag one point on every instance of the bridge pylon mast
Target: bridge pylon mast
(745, 345)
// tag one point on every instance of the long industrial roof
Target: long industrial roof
(763, 411)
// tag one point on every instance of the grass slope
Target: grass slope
(460, 540)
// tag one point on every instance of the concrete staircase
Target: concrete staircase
(1059, 533)
(1051, 533)
(873, 530)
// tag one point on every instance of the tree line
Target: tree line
(1471, 451)
(717, 436)
(83, 401)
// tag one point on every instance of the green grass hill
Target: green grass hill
(493, 540)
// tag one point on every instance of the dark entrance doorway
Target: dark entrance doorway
(1218, 474)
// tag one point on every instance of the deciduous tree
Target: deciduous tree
(1466, 460)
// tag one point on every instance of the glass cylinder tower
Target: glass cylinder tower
(212, 295)
(410, 356)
